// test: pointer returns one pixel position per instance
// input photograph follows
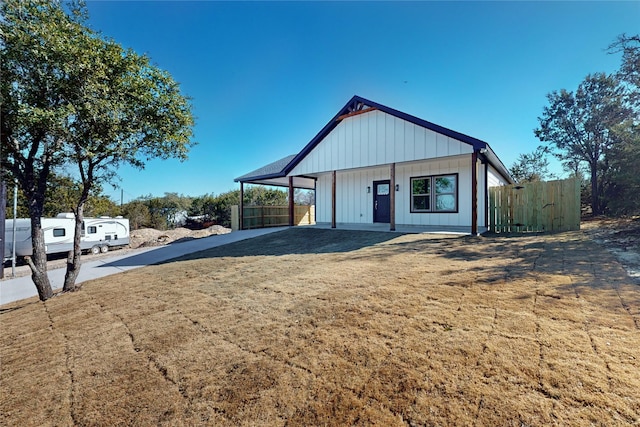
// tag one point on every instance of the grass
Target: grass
(330, 327)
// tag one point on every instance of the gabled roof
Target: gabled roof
(358, 105)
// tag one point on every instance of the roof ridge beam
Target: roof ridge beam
(355, 113)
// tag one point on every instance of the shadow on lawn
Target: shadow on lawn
(509, 257)
(296, 241)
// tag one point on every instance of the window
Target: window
(437, 193)
(420, 194)
(92, 229)
(59, 232)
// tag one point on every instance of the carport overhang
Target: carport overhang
(274, 174)
(303, 182)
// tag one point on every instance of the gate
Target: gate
(535, 207)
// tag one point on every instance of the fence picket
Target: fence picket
(535, 207)
(276, 216)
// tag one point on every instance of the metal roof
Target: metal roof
(273, 174)
(357, 104)
(271, 170)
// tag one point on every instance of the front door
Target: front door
(381, 201)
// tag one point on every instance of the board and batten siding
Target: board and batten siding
(376, 138)
(494, 179)
(354, 205)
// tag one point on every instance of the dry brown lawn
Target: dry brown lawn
(329, 327)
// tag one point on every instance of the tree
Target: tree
(630, 70)
(579, 128)
(624, 187)
(138, 214)
(532, 166)
(36, 57)
(203, 207)
(61, 194)
(304, 197)
(78, 100)
(259, 195)
(622, 193)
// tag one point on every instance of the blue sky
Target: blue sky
(265, 77)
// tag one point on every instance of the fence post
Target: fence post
(234, 218)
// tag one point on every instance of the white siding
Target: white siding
(460, 165)
(355, 206)
(377, 138)
(494, 179)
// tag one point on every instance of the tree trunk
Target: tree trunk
(74, 257)
(38, 261)
(595, 197)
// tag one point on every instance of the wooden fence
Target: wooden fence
(272, 216)
(535, 207)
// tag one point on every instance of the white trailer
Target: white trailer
(98, 234)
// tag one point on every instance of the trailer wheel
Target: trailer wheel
(104, 249)
(95, 250)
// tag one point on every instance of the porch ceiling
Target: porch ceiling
(298, 182)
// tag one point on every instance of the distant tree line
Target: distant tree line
(174, 210)
(165, 212)
(595, 133)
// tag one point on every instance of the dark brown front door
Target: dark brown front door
(381, 201)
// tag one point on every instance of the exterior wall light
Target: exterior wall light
(368, 189)
(397, 187)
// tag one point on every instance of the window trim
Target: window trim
(433, 195)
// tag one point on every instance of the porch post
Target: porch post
(241, 213)
(333, 199)
(474, 193)
(392, 198)
(291, 205)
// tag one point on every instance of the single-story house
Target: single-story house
(375, 167)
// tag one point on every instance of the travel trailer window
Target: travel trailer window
(92, 229)
(58, 232)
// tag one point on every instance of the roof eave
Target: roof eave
(259, 177)
(477, 144)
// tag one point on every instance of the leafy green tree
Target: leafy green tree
(622, 193)
(624, 184)
(204, 206)
(138, 214)
(222, 207)
(61, 194)
(167, 211)
(579, 128)
(35, 60)
(630, 69)
(101, 205)
(259, 195)
(75, 99)
(532, 166)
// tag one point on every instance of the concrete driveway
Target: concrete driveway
(22, 287)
